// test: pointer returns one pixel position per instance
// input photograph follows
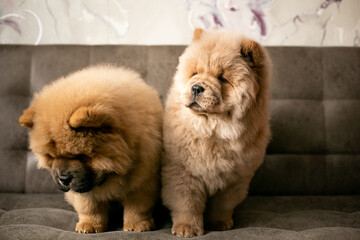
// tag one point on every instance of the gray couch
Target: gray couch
(307, 188)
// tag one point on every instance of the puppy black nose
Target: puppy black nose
(65, 179)
(197, 89)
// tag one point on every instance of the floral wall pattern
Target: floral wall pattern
(153, 22)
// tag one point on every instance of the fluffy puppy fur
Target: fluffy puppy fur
(216, 129)
(99, 132)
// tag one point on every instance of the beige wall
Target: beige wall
(152, 22)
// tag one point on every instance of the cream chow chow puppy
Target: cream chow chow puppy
(216, 129)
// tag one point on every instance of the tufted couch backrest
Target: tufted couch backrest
(315, 108)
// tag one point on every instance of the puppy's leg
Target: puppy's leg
(93, 216)
(138, 209)
(222, 205)
(93, 222)
(185, 196)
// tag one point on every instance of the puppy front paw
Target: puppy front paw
(222, 225)
(141, 226)
(187, 230)
(86, 227)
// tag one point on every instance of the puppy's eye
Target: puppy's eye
(83, 157)
(222, 79)
(195, 73)
(49, 156)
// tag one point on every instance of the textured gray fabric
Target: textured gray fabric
(39, 182)
(161, 67)
(328, 174)
(315, 148)
(341, 67)
(48, 216)
(12, 171)
(297, 73)
(35, 232)
(343, 125)
(297, 127)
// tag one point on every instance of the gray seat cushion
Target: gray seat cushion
(48, 216)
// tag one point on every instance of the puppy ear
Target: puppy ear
(90, 117)
(252, 52)
(27, 118)
(198, 32)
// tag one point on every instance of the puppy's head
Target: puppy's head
(221, 73)
(77, 146)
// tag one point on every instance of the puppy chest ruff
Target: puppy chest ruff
(214, 160)
(211, 164)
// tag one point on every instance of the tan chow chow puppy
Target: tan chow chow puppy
(216, 129)
(99, 132)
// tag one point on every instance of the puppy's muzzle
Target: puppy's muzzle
(65, 179)
(196, 90)
(62, 180)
